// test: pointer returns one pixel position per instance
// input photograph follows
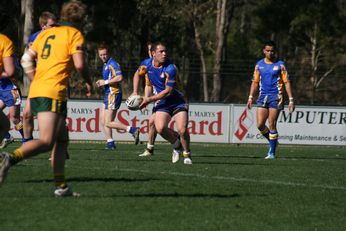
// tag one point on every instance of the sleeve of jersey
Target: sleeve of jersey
(8, 49)
(147, 81)
(77, 43)
(142, 70)
(284, 74)
(256, 75)
(171, 75)
(115, 69)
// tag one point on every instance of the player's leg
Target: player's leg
(47, 135)
(4, 125)
(162, 119)
(161, 124)
(262, 115)
(149, 150)
(107, 115)
(181, 120)
(6, 137)
(114, 103)
(273, 135)
(15, 118)
(58, 162)
(114, 124)
(261, 118)
(28, 122)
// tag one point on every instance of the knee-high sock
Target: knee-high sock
(273, 141)
(265, 132)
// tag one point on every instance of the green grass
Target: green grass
(228, 187)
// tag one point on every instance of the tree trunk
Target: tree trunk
(313, 63)
(221, 17)
(204, 67)
(27, 12)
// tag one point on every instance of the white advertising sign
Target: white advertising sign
(207, 123)
(215, 123)
(306, 125)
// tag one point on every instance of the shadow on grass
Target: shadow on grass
(176, 195)
(89, 179)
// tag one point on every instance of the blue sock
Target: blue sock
(265, 132)
(27, 139)
(7, 135)
(133, 130)
(19, 128)
(273, 141)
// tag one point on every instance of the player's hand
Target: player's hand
(249, 103)
(291, 107)
(88, 89)
(145, 102)
(134, 93)
(100, 83)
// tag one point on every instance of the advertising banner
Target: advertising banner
(306, 125)
(207, 123)
(214, 123)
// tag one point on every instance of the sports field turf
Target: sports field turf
(228, 187)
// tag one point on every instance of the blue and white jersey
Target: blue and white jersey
(111, 69)
(160, 77)
(33, 37)
(271, 77)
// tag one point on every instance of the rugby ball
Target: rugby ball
(133, 102)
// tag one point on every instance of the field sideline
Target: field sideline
(228, 187)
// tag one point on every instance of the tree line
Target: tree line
(215, 43)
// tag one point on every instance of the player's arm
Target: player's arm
(253, 89)
(9, 67)
(116, 78)
(286, 79)
(148, 91)
(79, 63)
(291, 105)
(254, 86)
(136, 81)
(28, 63)
(163, 94)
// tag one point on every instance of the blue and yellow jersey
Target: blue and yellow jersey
(159, 78)
(33, 37)
(271, 77)
(111, 70)
(6, 50)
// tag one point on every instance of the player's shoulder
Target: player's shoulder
(34, 36)
(5, 39)
(112, 62)
(281, 64)
(147, 62)
(169, 65)
(260, 62)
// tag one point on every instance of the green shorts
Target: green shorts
(42, 104)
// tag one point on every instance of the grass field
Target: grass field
(228, 187)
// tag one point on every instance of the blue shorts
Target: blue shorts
(270, 101)
(11, 97)
(112, 101)
(171, 109)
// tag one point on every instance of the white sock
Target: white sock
(128, 128)
(109, 140)
(150, 146)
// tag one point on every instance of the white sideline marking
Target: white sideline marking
(240, 179)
